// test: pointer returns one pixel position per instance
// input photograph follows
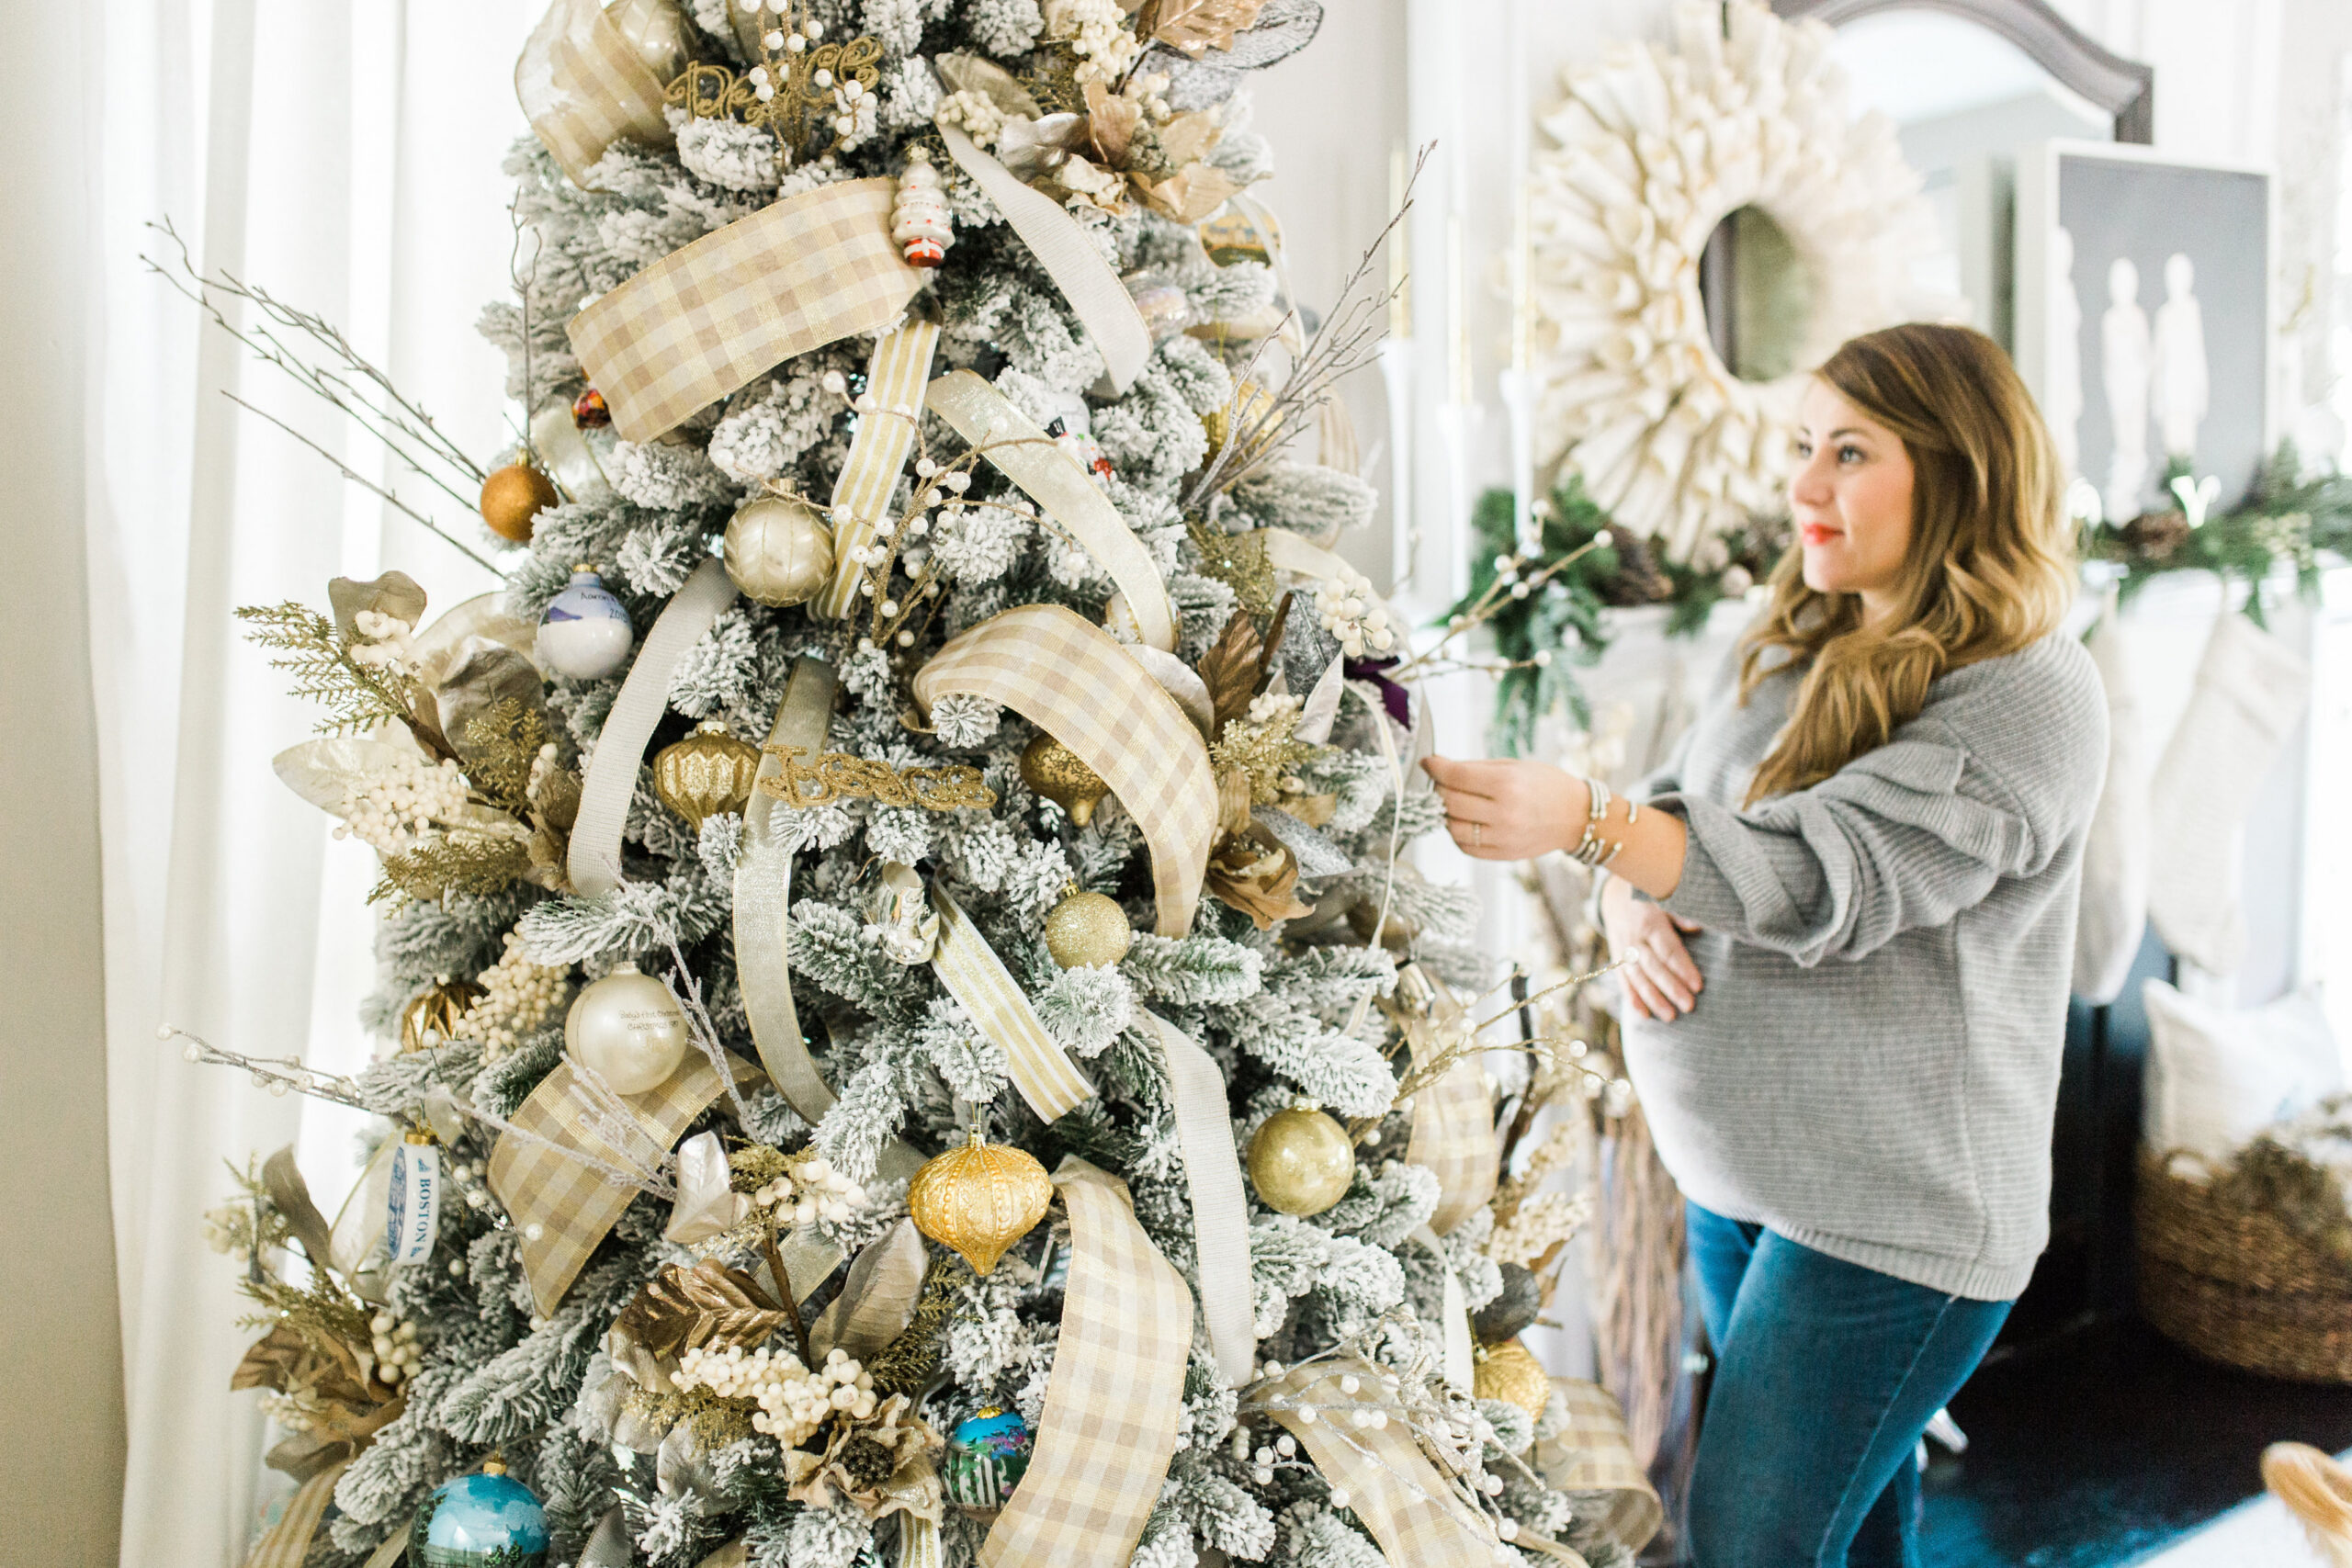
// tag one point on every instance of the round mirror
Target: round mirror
(1763, 293)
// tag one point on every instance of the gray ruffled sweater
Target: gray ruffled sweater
(1872, 1064)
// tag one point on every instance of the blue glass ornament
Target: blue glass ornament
(987, 1455)
(585, 633)
(489, 1520)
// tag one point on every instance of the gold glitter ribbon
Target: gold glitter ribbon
(1116, 1395)
(584, 87)
(894, 379)
(763, 922)
(977, 977)
(1069, 677)
(705, 321)
(1068, 255)
(1024, 454)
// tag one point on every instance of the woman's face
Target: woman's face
(1851, 498)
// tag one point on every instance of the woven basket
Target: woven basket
(2236, 1285)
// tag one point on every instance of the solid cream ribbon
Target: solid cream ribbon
(1027, 456)
(1453, 1315)
(596, 856)
(1068, 255)
(762, 920)
(1069, 677)
(977, 977)
(894, 379)
(1116, 1395)
(582, 87)
(1220, 1213)
(1412, 1513)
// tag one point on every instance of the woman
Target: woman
(1898, 780)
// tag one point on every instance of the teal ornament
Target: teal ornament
(585, 633)
(987, 1455)
(489, 1520)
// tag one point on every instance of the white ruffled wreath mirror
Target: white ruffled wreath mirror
(1743, 117)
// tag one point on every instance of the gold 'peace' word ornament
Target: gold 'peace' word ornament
(837, 773)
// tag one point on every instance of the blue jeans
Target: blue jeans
(1825, 1375)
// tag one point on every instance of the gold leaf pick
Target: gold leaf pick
(708, 1304)
(1193, 26)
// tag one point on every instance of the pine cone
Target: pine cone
(2155, 534)
(1638, 580)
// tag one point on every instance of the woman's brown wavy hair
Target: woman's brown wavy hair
(1990, 568)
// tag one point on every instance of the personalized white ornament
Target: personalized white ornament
(629, 1030)
(586, 634)
(918, 218)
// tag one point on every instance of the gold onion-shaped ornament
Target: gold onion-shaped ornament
(1061, 775)
(979, 1200)
(1301, 1160)
(709, 773)
(1509, 1371)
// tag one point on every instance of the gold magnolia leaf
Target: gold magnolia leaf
(1110, 121)
(1230, 670)
(709, 1303)
(1257, 874)
(1196, 25)
(1189, 195)
(1188, 138)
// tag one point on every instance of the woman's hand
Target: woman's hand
(1661, 981)
(1509, 811)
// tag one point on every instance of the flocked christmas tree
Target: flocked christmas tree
(1057, 822)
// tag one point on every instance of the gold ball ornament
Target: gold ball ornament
(1301, 1161)
(1509, 1371)
(1088, 929)
(1061, 775)
(628, 1028)
(779, 550)
(709, 773)
(430, 1016)
(979, 1200)
(513, 496)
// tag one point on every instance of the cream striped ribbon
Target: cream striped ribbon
(1115, 1397)
(894, 378)
(704, 320)
(1024, 454)
(1413, 1514)
(977, 977)
(1453, 1122)
(288, 1541)
(1068, 253)
(763, 913)
(594, 861)
(1067, 675)
(582, 87)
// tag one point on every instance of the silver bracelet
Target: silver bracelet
(1593, 850)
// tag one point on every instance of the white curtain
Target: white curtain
(345, 156)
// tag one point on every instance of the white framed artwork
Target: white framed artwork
(2143, 316)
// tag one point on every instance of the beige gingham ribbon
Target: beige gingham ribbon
(1116, 1395)
(1068, 676)
(763, 913)
(562, 1204)
(594, 859)
(977, 977)
(1024, 454)
(1413, 1514)
(704, 321)
(894, 379)
(1220, 1212)
(1453, 1123)
(287, 1542)
(1592, 1453)
(1071, 258)
(584, 87)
